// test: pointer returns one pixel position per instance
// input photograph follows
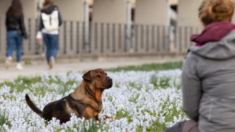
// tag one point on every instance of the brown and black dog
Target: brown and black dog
(85, 101)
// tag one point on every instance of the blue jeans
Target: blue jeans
(51, 42)
(14, 39)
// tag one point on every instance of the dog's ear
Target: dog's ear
(87, 76)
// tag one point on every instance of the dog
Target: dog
(85, 101)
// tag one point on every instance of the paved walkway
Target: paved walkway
(33, 70)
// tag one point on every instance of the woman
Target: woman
(50, 21)
(15, 32)
(208, 76)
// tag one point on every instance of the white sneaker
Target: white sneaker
(51, 63)
(8, 62)
(19, 66)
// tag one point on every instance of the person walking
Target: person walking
(15, 32)
(50, 21)
(208, 72)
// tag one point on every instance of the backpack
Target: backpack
(51, 21)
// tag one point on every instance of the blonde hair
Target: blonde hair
(216, 11)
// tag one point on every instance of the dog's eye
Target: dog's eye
(98, 75)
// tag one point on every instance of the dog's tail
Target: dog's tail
(33, 106)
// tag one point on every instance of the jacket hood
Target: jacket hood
(222, 49)
(49, 9)
(213, 32)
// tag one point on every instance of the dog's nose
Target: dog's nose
(110, 82)
(109, 79)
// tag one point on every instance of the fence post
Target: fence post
(65, 37)
(102, 38)
(71, 35)
(180, 39)
(158, 38)
(84, 46)
(90, 28)
(126, 38)
(96, 36)
(29, 35)
(119, 46)
(153, 38)
(77, 37)
(108, 39)
(142, 38)
(114, 38)
(136, 38)
(147, 38)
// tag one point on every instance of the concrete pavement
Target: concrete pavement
(37, 69)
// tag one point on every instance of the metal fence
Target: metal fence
(107, 39)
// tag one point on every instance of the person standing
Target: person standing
(50, 21)
(15, 32)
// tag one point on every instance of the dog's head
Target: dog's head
(98, 78)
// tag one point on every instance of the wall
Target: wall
(152, 12)
(112, 11)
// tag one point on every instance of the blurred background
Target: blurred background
(112, 28)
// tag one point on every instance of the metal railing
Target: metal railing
(107, 39)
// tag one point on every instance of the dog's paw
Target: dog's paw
(111, 119)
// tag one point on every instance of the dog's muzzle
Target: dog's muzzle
(110, 82)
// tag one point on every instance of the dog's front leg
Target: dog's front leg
(108, 117)
(89, 113)
(97, 117)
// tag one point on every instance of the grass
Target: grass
(27, 62)
(123, 114)
(3, 120)
(134, 85)
(149, 67)
(156, 127)
(134, 99)
(92, 126)
(160, 82)
(22, 83)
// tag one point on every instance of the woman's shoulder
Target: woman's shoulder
(192, 56)
(14, 17)
(53, 7)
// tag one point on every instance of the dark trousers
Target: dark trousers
(184, 126)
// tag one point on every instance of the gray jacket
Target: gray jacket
(208, 81)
